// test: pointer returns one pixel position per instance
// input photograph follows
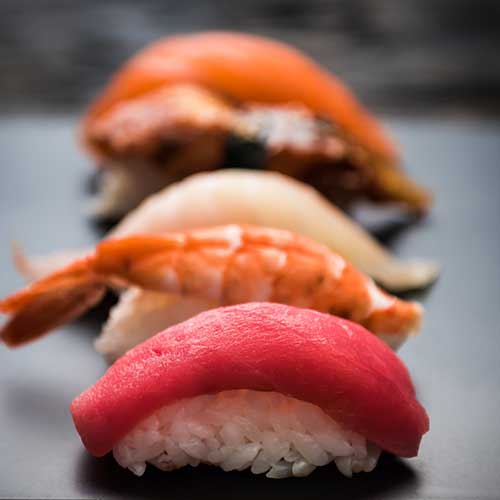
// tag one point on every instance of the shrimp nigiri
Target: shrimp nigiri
(207, 267)
(250, 197)
(273, 388)
(183, 103)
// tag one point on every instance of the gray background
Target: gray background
(425, 56)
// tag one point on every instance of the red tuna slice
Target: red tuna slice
(330, 362)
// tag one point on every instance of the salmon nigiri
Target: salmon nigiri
(181, 105)
(273, 388)
(173, 276)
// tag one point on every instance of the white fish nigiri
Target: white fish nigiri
(259, 198)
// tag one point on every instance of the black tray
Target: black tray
(43, 180)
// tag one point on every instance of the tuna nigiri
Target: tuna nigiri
(214, 266)
(194, 102)
(273, 388)
(250, 197)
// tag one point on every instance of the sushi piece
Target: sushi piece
(267, 387)
(249, 197)
(210, 100)
(219, 266)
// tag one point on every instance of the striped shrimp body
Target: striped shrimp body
(204, 268)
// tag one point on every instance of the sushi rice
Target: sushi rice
(265, 432)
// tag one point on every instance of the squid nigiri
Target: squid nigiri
(273, 388)
(192, 102)
(250, 197)
(214, 266)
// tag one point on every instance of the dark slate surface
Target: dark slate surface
(399, 55)
(454, 362)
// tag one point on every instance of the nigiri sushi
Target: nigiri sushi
(250, 197)
(266, 387)
(209, 100)
(207, 267)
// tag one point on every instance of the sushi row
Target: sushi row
(215, 100)
(275, 353)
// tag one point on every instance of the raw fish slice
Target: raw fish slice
(313, 357)
(223, 265)
(249, 197)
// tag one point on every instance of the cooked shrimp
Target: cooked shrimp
(222, 265)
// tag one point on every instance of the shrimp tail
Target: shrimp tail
(34, 268)
(50, 302)
(68, 293)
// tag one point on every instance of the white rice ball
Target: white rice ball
(266, 432)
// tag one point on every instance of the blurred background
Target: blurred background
(400, 56)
